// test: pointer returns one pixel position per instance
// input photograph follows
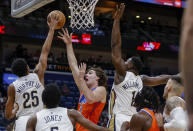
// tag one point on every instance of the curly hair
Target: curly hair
(51, 96)
(101, 74)
(19, 67)
(147, 98)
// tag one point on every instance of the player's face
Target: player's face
(167, 88)
(91, 77)
(129, 64)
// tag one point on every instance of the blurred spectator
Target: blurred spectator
(61, 59)
(65, 91)
(1, 98)
(19, 51)
(36, 55)
(25, 54)
(51, 58)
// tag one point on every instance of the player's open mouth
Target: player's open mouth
(85, 78)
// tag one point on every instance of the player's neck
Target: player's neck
(133, 71)
(94, 85)
(171, 94)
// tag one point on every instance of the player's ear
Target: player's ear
(170, 88)
(28, 69)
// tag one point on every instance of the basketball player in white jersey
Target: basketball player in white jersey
(178, 118)
(127, 81)
(54, 118)
(25, 93)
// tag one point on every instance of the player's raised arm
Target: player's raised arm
(67, 39)
(42, 65)
(76, 116)
(117, 60)
(186, 55)
(10, 112)
(154, 81)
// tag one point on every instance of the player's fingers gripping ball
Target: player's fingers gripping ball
(62, 18)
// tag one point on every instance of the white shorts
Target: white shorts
(116, 121)
(20, 123)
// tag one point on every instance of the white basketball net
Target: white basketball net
(82, 13)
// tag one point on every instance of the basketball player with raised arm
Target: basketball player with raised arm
(25, 93)
(92, 86)
(186, 62)
(147, 104)
(127, 81)
(54, 118)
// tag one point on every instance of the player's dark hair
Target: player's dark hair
(19, 67)
(137, 63)
(147, 98)
(177, 79)
(51, 96)
(101, 74)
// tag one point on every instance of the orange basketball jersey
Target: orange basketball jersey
(91, 112)
(154, 125)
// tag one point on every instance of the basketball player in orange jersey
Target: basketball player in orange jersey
(186, 61)
(91, 85)
(127, 79)
(26, 91)
(146, 103)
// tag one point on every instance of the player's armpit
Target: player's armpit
(40, 72)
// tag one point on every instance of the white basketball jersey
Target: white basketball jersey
(28, 94)
(122, 94)
(55, 119)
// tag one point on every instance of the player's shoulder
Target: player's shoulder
(11, 87)
(138, 119)
(141, 117)
(33, 74)
(100, 89)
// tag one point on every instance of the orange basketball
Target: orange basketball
(62, 18)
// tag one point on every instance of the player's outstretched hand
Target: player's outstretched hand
(82, 70)
(67, 39)
(54, 21)
(119, 11)
(160, 120)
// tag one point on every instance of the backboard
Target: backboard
(20, 8)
